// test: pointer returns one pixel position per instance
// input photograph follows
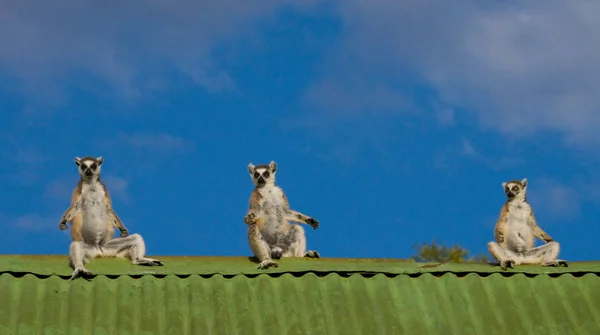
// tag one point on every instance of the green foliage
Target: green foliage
(435, 252)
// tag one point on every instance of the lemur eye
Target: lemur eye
(515, 188)
(266, 174)
(506, 189)
(256, 174)
(93, 167)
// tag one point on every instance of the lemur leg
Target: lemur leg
(546, 255)
(254, 234)
(259, 247)
(76, 224)
(132, 247)
(295, 216)
(80, 253)
(293, 244)
(506, 258)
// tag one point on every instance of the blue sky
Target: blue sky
(391, 123)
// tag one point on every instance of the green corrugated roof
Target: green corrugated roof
(228, 295)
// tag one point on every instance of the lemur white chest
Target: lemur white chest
(93, 205)
(272, 206)
(518, 214)
(519, 234)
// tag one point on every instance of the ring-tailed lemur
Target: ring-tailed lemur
(515, 232)
(94, 224)
(270, 234)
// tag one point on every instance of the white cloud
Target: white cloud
(24, 168)
(117, 187)
(519, 68)
(61, 189)
(339, 98)
(445, 158)
(125, 45)
(467, 148)
(557, 200)
(28, 155)
(32, 222)
(445, 116)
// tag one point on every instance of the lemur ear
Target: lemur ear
(524, 182)
(100, 160)
(273, 166)
(77, 161)
(504, 185)
(251, 168)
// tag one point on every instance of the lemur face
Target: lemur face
(263, 174)
(89, 167)
(514, 188)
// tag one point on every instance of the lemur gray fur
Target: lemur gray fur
(93, 222)
(270, 234)
(516, 229)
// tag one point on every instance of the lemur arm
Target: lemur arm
(73, 208)
(295, 216)
(253, 211)
(116, 221)
(69, 214)
(501, 226)
(537, 231)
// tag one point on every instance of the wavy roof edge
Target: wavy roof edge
(49, 265)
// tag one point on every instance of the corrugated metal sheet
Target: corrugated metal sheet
(300, 303)
(59, 265)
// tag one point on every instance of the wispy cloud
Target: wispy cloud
(141, 143)
(28, 155)
(31, 222)
(60, 189)
(445, 116)
(118, 188)
(23, 162)
(339, 98)
(515, 67)
(555, 198)
(125, 45)
(467, 148)
(155, 142)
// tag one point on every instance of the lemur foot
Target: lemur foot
(557, 263)
(266, 264)
(80, 272)
(148, 262)
(276, 253)
(313, 223)
(509, 263)
(250, 218)
(312, 254)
